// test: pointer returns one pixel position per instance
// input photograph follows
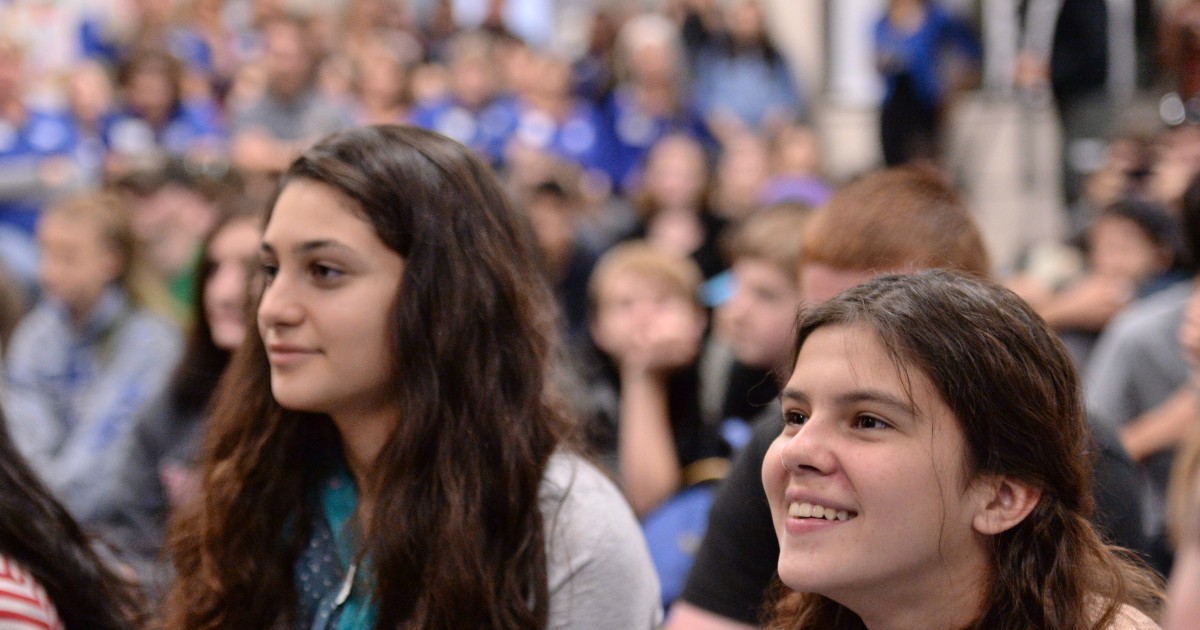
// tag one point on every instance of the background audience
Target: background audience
(686, 130)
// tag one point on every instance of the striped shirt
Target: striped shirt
(24, 604)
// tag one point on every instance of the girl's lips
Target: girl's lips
(281, 355)
(802, 526)
(804, 518)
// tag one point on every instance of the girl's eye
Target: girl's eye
(325, 272)
(268, 271)
(870, 422)
(794, 418)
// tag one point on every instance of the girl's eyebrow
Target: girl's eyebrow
(306, 246)
(858, 396)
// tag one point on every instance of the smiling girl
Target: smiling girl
(385, 451)
(933, 470)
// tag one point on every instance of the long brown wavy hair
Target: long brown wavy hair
(456, 536)
(1015, 393)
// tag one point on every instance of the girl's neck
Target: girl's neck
(947, 598)
(363, 436)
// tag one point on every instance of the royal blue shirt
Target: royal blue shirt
(919, 53)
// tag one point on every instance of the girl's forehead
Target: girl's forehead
(872, 355)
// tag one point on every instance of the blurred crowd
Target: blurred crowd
(669, 168)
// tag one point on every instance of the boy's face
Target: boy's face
(631, 306)
(76, 265)
(757, 321)
(1120, 249)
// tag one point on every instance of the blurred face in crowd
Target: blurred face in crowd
(232, 254)
(173, 213)
(473, 80)
(653, 62)
(552, 84)
(289, 65)
(631, 306)
(89, 91)
(382, 76)
(758, 318)
(797, 150)
(329, 282)
(676, 173)
(742, 172)
(1119, 248)
(150, 94)
(77, 263)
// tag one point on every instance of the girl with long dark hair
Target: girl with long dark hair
(386, 450)
(933, 470)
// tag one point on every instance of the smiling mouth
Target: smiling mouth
(811, 510)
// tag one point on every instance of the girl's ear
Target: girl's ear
(1005, 503)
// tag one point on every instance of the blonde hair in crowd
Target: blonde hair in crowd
(678, 275)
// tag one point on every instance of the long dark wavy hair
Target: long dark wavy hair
(1014, 391)
(456, 536)
(37, 532)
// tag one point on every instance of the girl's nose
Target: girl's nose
(811, 449)
(279, 306)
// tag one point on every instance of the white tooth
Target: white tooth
(794, 509)
(830, 514)
(806, 510)
(818, 511)
(843, 515)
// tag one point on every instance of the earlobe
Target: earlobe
(1006, 503)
